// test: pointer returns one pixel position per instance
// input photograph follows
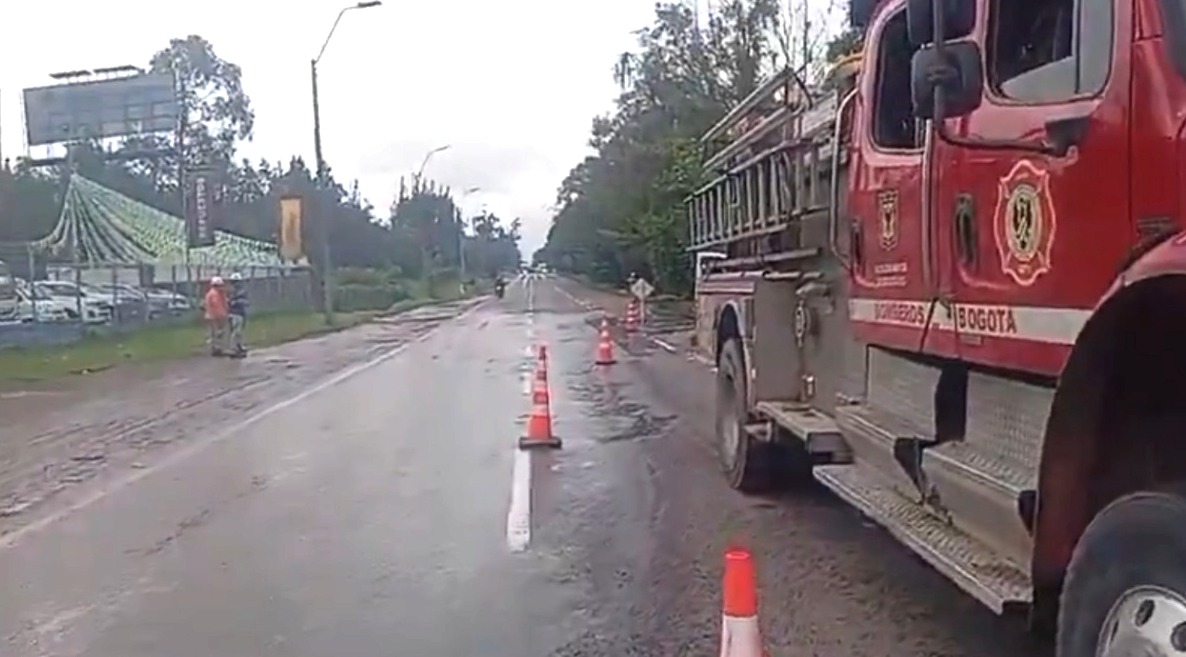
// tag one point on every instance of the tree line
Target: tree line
(620, 210)
(422, 234)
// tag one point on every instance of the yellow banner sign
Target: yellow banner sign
(291, 248)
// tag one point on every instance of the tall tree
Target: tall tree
(216, 113)
(621, 209)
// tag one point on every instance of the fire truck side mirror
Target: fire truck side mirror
(959, 17)
(956, 68)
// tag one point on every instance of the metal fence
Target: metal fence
(59, 304)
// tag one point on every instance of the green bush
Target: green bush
(370, 277)
(354, 297)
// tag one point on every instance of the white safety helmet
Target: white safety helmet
(236, 276)
(216, 281)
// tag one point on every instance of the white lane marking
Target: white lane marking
(665, 345)
(14, 537)
(563, 292)
(703, 360)
(519, 513)
(580, 302)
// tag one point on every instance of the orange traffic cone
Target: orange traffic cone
(539, 422)
(605, 345)
(539, 387)
(632, 316)
(740, 635)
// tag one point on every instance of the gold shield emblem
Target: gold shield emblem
(1025, 223)
(887, 214)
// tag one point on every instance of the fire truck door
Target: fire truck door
(890, 285)
(1036, 238)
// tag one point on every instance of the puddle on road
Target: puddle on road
(626, 420)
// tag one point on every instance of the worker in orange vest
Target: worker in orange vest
(217, 312)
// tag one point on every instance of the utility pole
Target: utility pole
(322, 221)
(75, 238)
(183, 201)
(461, 237)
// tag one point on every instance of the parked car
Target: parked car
(8, 298)
(33, 306)
(168, 301)
(130, 301)
(95, 309)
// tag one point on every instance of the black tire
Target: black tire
(1137, 541)
(749, 465)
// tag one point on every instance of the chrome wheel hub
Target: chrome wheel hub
(1147, 621)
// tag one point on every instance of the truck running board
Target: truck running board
(975, 568)
(818, 432)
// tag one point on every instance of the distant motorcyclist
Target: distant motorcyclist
(500, 286)
(237, 314)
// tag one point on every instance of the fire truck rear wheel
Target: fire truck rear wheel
(750, 465)
(1125, 590)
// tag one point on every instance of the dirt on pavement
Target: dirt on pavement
(58, 437)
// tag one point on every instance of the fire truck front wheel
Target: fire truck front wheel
(1125, 590)
(750, 465)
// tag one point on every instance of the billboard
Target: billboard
(201, 201)
(99, 109)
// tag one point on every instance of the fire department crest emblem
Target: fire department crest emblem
(1025, 223)
(887, 215)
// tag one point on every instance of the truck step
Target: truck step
(998, 583)
(886, 443)
(883, 425)
(817, 431)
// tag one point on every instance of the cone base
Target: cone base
(539, 443)
(605, 361)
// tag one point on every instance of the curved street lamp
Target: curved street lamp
(323, 220)
(427, 157)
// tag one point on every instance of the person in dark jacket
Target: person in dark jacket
(237, 311)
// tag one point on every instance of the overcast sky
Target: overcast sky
(510, 85)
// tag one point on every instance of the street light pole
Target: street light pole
(327, 283)
(427, 157)
(461, 238)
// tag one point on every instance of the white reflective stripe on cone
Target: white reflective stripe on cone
(740, 637)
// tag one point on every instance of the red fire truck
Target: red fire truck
(950, 285)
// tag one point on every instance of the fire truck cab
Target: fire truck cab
(949, 284)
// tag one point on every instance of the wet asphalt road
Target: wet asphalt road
(376, 513)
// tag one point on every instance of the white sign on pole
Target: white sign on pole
(642, 289)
